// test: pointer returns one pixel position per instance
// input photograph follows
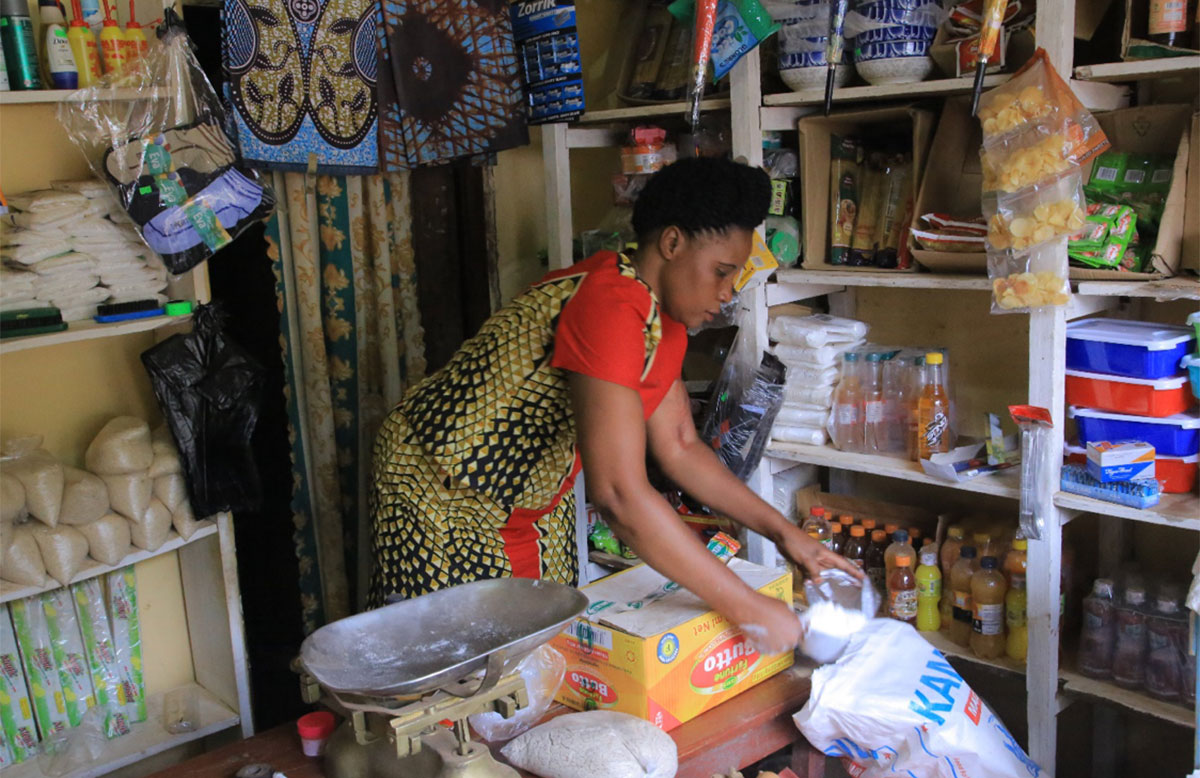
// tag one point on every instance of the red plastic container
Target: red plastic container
(1177, 474)
(1137, 396)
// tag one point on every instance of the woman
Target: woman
(474, 468)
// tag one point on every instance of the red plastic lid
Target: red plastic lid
(316, 726)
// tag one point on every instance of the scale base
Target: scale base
(438, 758)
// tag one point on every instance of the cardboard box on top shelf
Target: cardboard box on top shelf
(953, 184)
(1190, 248)
(1148, 130)
(815, 132)
(669, 660)
(1134, 43)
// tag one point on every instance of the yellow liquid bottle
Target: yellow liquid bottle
(933, 411)
(83, 49)
(1017, 645)
(988, 590)
(929, 592)
(112, 46)
(136, 44)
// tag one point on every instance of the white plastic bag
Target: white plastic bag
(121, 447)
(85, 497)
(839, 605)
(109, 539)
(598, 744)
(892, 705)
(543, 672)
(39, 473)
(816, 330)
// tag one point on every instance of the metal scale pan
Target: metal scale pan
(439, 640)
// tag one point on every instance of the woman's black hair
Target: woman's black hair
(702, 195)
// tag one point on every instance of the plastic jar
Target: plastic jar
(315, 729)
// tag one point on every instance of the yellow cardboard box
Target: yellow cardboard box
(647, 647)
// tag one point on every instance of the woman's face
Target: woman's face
(700, 272)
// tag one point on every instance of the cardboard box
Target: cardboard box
(1134, 44)
(1124, 460)
(666, 662)
(953, 184)
(815, 132)
(1190, 247)
(16, 709)
(958, 58)
(883, 512)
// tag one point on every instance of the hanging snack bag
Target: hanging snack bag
(741, 26)
(1038, 213)
(893, 249)
(844, 188)
(16, 710)
(871, 210)
(1024, 280)
(1015, 161)
(175, 172)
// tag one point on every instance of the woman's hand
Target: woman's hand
(812, 555)
(770, 625)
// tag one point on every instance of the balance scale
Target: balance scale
(398, 672)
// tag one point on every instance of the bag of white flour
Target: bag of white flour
(892, 705)
(598, 744)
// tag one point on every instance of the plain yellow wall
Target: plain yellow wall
(66, 393)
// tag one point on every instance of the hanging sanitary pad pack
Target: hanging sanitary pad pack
(174, 170)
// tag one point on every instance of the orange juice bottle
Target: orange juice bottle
(988, 589)
(960, 584)
(902, 591)
(933, 410)
(900, 545)
(856, 547)
(947, 556)
(1016, 561)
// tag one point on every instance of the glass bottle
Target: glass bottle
(933, 410)
(960, 584)
(1099, 635)
(1016, 619)
(1129, 656)
(988, 591)
(1169, 22)
(902, 591)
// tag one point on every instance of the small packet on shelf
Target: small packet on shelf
(1024, 280)
(1036, 214)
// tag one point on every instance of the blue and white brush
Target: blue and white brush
(1136, 494)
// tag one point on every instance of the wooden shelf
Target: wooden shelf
(11, 591)
(28, 96)
(1137, 70)
(884, 279)
(642, 112)
(851, 94)
(1001, 484)
(1178, 288)
(1173, 510)
(1107, 692)
(612, 561)
(146, 738)
(89, 330)
(949, 648)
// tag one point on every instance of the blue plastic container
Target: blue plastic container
(1172, 436)
(1192, 363)
(1135, 349)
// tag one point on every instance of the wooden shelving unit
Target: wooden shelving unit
(90, 330)
(1139, 70)
(855, 94)
(1173, 510)
(31, 96)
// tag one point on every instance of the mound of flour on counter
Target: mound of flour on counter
(598, 744)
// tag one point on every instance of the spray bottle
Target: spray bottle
(20, 51)
(136, 44)
(83, 47)
(3, 72)
(60, 65)
(112, 43)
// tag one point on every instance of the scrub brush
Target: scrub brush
(31, 321)
(1135, 494)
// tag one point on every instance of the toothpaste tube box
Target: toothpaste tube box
(16, 709)
(45, 689)
(127, 640)
(1122, 460)
(70, 658)
(101, 654)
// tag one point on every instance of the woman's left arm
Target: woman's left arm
(695, 468)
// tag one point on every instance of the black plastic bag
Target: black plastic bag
(744, 404)
(209, 390)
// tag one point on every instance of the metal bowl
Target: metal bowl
(424, 644)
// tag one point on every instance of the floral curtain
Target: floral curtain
(352, 341)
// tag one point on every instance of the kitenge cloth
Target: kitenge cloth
(301, 81)
(449, 82)
(474, 468)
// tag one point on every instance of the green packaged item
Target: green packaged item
(1092, 236)
(127, 639)
(102, 658)
(627, 552)
(70, 659)
(845, 157)
(603, 539)
(16, 709)
(45, 690)
(1108, 173)
(739, 27)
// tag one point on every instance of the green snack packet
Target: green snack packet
(102, 658)
(45, 689)
(604, 540)
(1092, 236)
(16, 710)
(127, 640)
(70, 657)
(1108, 173)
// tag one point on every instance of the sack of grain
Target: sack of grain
(85, 497)
(129, 494)
(12, 499)
(109, 538)
(40, 474)
(21, 561)
(151, 530)
(63, 551)
(120, 448)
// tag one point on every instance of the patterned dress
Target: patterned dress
(474, 469)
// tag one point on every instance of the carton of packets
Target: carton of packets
(654, 650)
(16, 709)
(101, 655)
(33, 637)
(1122, 460)
(70, 658)
(126, 632)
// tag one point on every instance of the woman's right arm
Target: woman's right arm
(611, 436)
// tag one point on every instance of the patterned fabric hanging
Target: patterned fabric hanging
(302, 82)
(449, 82)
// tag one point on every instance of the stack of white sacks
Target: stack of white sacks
(71, 247)
(811, 348)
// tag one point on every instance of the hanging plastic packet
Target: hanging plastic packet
(1034, 278)
(739, 26)
(167, 158)
(1035, 424)
(706, 19)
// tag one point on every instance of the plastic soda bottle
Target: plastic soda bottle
(902, 591)
(960, 585)
(837, 543)
(912, 401)
(1016, 561)
(875, 430)
(1015, 618)
(929, 592)
(933, 410)
(817, 526)
(847, 411)
(900, 545)
(83, 47)
(948, 555)
(136, 44)
(876, 569)
(869, 524)
(856, 547)
(988, 590)
(112, 45)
